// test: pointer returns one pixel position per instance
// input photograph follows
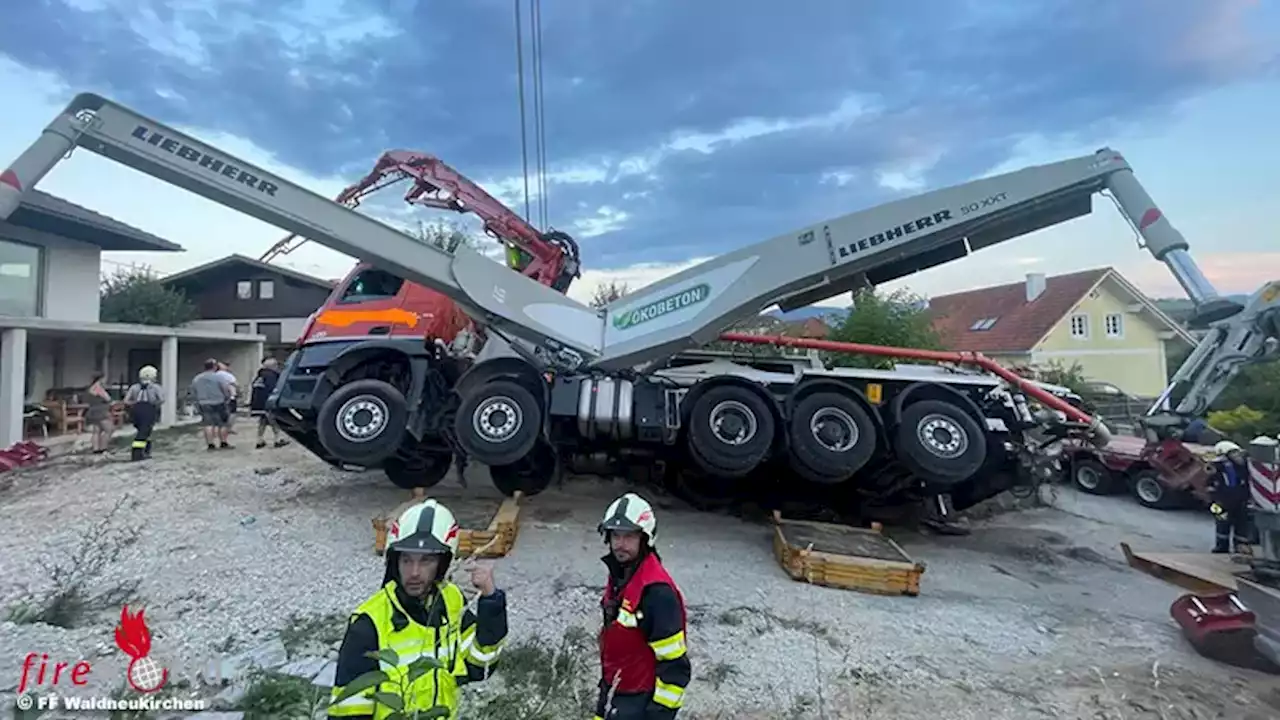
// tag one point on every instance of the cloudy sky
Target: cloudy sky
(679, 129)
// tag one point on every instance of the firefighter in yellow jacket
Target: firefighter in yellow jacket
(417, 612)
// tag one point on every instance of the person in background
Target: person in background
(144, 399)
(98, 414)
(213, 398)
(226, 376)
(1229, 493)
(260, 390)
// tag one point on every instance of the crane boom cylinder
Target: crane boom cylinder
(1168, 246)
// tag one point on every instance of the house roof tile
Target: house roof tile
(1019, 324)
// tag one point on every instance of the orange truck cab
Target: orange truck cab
(367, 384)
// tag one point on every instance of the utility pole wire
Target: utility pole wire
(524, 141)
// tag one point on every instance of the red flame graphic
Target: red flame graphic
(132, 634)
(453, 532)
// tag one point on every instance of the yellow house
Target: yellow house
(1095, 318)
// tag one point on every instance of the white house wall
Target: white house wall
(70, 274)
(290, 328)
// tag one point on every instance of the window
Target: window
(1080, 326)
(1114, 323)
(19, 279)
(272, 332)
(984, 324)
(266, 289)
(240, 328)
(372, 285)
(244, 290)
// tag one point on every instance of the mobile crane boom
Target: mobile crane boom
(691, 308)
(504, 301)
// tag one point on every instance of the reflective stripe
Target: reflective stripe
(668, 695)
(627, 619)
(139, 443)
(354, 705)
(485, 655)
(482, 655)
(669, 648)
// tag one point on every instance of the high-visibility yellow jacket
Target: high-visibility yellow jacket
(465, 644)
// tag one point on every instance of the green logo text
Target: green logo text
(656, 309)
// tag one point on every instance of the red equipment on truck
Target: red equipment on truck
(370, 301)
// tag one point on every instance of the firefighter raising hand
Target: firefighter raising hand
(482, 578)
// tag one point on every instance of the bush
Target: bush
(1242, 423)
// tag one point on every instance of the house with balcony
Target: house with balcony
(51, 339)
(1095, 318)
(238, 294)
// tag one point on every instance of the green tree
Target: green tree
(899, 319)
(1241, 423)
(1068, 376)
(444, 235)
(139, 296)
(606, 293)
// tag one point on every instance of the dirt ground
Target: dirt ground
(1033, 615)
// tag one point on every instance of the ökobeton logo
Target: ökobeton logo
(663, 306)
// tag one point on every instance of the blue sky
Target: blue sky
(677, 130)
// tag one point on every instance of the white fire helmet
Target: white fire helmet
(1225, 446)
(631, 513)
(148, 374)
(427, 527)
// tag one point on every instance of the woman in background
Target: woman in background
(98, 414)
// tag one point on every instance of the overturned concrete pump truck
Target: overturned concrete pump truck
(542, 377)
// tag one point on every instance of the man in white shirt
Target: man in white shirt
(233, 392)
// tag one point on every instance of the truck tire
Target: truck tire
(1151, 492)
(424, 471)
(498, 423)
(938, 440)
(730, 431)
(531, 474)
(363, 421)
(832, 436)
(1092, 477)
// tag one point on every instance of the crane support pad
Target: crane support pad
(1202, 573)
(844, 557)
(486, 536)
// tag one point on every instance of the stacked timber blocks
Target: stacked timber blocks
(844, 557)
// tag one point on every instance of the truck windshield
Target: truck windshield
(371, 284)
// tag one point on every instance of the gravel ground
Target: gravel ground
(1033, 615)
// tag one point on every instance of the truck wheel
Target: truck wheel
(1092, 477)
(938, 440)
(498, 423)
(730, 431)
(531, 474)
(363, 421)
(1150, 491)
(424, 471)
(832, 436)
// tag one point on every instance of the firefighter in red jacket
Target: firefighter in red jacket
(644, 664)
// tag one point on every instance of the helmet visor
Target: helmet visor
(420, 542)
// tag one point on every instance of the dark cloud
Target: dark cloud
(955, 81)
